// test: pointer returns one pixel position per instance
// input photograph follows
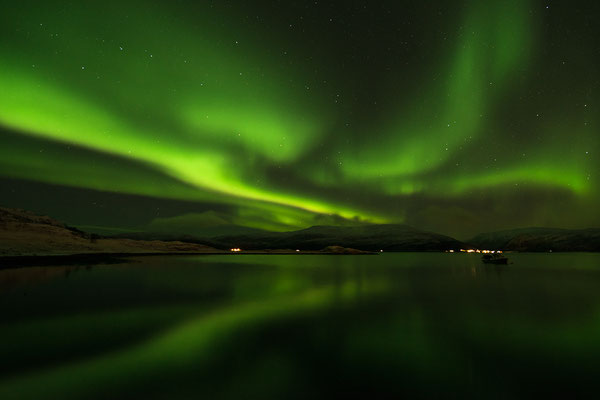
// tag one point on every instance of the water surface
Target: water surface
(303, 326)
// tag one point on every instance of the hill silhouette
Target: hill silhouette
(387, 237)
(23, 233)
(539, 239)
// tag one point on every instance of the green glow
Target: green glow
(549, 176)
(42, 110)
(478, 71)
(188, 343)
(206, 108)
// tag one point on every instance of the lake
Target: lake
(424, 325)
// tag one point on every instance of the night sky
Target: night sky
(457, 117)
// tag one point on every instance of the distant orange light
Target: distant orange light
(236, 249)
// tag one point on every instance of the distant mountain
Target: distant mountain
(24, 233)
(195, 235)
(539, 239)
(387, 237)
(192, 227)
(199, 225)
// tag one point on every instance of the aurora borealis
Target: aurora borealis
(458, 117)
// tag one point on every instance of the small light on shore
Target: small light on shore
(236, 249)
(450, 251)
(297, 250)
(381, 251)
(479, 251)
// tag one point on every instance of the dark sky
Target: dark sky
(457, 117)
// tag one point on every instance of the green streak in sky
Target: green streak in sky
(203, 108)
(488, 53)
(223, 116)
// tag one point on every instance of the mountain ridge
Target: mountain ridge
(540, 239)
(374, 237)
(23, 232)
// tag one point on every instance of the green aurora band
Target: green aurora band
(211, 104)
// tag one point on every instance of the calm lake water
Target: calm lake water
(303, 326)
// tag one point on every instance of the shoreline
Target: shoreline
(23, 261)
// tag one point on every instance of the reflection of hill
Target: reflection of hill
(540, 239)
